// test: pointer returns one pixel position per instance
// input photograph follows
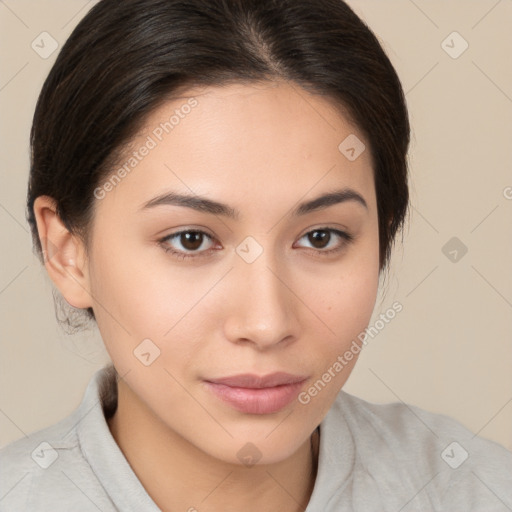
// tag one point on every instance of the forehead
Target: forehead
(253, 141)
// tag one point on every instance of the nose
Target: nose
(261, 310)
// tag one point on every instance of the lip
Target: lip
(253, 394)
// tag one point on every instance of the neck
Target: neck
(160, 456)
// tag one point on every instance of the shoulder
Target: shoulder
(406, 426)
(32, 462)
(453, 464)
(47, 470)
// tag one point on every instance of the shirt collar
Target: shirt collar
(101, 450)
(335, 459)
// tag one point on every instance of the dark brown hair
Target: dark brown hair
(127, 57)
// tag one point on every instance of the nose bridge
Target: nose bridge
(263, 310)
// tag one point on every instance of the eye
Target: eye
(191, 240)
(321, 238)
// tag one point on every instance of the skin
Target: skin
(261, 149)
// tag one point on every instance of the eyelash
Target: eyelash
(348, 238)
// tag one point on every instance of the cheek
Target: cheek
(141, 297)
(132, 301)
(348, 293)
(345, 307)
(353, 302)
(347, 313)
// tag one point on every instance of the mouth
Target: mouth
(253, 394)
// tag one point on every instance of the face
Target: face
(189, 293)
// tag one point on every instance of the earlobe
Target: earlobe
(63, 253)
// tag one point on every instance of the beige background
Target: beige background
(448, 351)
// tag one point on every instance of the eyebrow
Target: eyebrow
(202, 204)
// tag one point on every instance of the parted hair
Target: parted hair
(125, 58)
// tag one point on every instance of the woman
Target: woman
(218, 186)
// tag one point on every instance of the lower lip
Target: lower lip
(256, 401)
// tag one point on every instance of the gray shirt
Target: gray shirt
(372, 457)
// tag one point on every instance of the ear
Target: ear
(64, 254)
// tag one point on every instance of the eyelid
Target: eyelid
(185, 254)
(343, 234)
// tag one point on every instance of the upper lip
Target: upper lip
(249, 380)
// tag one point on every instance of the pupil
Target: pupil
(192, 240)
(322, 236)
